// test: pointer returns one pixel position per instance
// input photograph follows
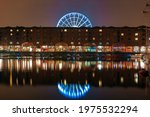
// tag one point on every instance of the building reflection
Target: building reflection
(31, 64)
(73, 78)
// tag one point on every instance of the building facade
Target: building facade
(54, 39)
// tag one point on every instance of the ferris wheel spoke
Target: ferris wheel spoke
(73, 19)
(66, 20)
(74, 22)
(89, 25)
(80, 21)
(70, 20)
(65, 24)
(83, 23)
(80, 87)
(77, 20)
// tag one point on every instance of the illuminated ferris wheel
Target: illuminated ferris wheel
(73, 91)
(74, 19)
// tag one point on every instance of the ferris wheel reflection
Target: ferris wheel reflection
(73, 91)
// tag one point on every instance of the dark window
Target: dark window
(118, 36)
(129, 33)
(100, 34)
(129, 39)
(144, 34)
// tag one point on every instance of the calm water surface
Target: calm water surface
(60, 80)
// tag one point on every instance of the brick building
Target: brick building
(54, 39)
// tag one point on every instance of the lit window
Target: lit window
(10, 42)
(149, 38)
(122, 34)
(44, 46)
(31, 30)
(17, 42)
(65, 30)
(17, 30)
(79, 43)
(136, 34)
(100, 30)
(107, 43)
(86, 30)
(24, 30)
(72, 43)
(136, 39)
(93, 38)
(136, 49)
(143, 49)
(11, 30)
(100, 43)
(37, 42)
(11, 34)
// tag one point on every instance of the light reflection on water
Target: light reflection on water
(30, 64)
(94, 75)
(74, 91)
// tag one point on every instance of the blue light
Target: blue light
(73, 91)
(74, 19)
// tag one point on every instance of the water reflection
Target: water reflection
(30, 64)
(1, 64)
(74, 91)
(73, 78)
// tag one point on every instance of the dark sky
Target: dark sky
(48, 12)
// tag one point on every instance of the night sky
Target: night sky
(48, 12)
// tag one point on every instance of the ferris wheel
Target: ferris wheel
(74, 19)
